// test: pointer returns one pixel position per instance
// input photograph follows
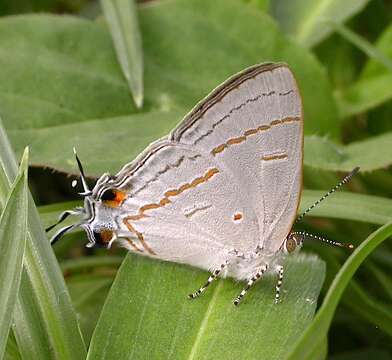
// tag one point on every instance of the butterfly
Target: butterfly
(220, 192)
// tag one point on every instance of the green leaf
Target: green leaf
(147, 315)
(365, 94)
(121, 17)
(89, 293)
(260, 4)
(323, 154)
(13, 224)
(349, 206)
(318, 329)
(83, 100)
(373, 85)
(44, 322)
(306, 20)
(362, 44)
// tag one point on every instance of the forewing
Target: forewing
(183, 207)
(252, 126)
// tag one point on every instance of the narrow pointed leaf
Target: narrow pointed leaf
(44, 321)
(305, 20)
(122, 20)
(317, 331)
(13, 226)
(373, 86)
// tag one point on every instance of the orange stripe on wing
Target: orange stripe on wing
(274, 157)
(250, 132)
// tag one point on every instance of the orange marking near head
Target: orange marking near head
(119, 197)
(106, 236)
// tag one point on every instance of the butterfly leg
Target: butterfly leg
(214, 275)
(233, 254)
(251, 283)
(280, 271)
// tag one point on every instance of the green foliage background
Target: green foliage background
(71, 72)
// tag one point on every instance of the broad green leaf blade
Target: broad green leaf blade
(13, 226)
(318, 329)
(121, 17)
(44, 321)
(306, 20)
(189, 48)
(147, 314)
(323, 154)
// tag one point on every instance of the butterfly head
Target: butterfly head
(97, 216)
(293, 242)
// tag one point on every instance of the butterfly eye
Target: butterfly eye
(290, 244)
(113, 197)
(102, 238)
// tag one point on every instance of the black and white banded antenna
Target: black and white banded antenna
(346, 179)
(304, 235)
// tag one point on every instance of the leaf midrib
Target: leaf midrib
(204, 322)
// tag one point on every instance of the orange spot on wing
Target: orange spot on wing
(237, 216)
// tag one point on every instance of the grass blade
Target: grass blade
(305, 19)
(317, 331)
(345, 205)
(362, 44)
(121, 17)
(13, 224)
(44, 321)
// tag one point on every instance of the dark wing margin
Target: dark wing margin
(218, 94)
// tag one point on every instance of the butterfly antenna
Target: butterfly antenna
(86, 190)
(346, 179)
(305, 235)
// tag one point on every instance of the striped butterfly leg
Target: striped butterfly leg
(280, 271)
(257, 276)
(214, 275)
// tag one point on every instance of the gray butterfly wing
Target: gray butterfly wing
(182, 207)
(252, 126)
